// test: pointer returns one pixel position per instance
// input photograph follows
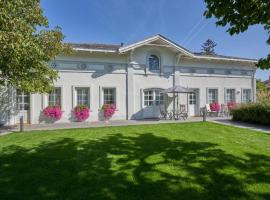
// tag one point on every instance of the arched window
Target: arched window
(153, 63)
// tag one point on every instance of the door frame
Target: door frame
(197, 106)
(29, 111)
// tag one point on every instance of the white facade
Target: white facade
(135, 74)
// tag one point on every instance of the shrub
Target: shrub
(81, 112)
(215, 107)
(53, 112)
(108, 110)
(253, 113)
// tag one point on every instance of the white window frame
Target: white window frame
(45, 98)
(158, 55)
(115, 95)
(225, 95)
(243, 89)
(59, 96)
(207, 95)
(74, 91)
(154, 100)
(194, 99)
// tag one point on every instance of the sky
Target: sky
(128, 21)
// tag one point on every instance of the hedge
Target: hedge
(252, 113)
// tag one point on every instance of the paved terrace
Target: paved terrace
(56, 126)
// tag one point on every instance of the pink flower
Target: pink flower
(231, 105)
(108, 110)
(81, 112)
(215, 107)
(53, 112)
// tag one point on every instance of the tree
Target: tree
(209, 47)
(239, 15)
(260, 86)
(27, 44)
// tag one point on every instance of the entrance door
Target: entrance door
(23, 106)
(193, 103)
(153, 101)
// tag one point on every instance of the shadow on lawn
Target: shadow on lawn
(123, 167)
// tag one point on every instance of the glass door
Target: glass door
(23, 106)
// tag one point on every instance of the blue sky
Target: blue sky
(127, 21)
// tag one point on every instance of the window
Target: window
(192, 99)
(153, 97)
(109, 96)
(82, 96)
(246, 98)
(154, 63)
(22, 100)
(55, 97)
(229, 95)
(212, 95)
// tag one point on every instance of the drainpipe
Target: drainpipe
(253, 85)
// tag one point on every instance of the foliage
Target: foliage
(215, 107)
(208, 47)
(260, 86)
(108, 110)
(263, 93)
(239, 15)
(253, 113)
(81, 112)
(187, 161)
(53, 112)
(27, 44)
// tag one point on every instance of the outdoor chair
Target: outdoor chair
(183, 112)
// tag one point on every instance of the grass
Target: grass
(166, 161)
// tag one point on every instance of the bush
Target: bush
(253, 113)
(81, 112)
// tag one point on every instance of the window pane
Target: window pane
(82, 96)
(109, 96)
(230, 95)
(246, 95)
(154, 63)
(55, 97)
(212, 95)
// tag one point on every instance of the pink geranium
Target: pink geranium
(81, 112)
(231, 105)
(108, 110)
(215, 107)
(53, 112)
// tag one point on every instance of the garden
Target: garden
(164, 161)
(256, 113)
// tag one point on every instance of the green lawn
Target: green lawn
(166, 161)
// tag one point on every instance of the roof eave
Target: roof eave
(95, 50)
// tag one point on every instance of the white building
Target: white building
(133, 77)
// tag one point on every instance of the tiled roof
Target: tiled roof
(112, 47)
(117, 48)
(221, 56)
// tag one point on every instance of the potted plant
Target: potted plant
(215, 107)
(53, 113)
(81, 112)
(108, 111)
